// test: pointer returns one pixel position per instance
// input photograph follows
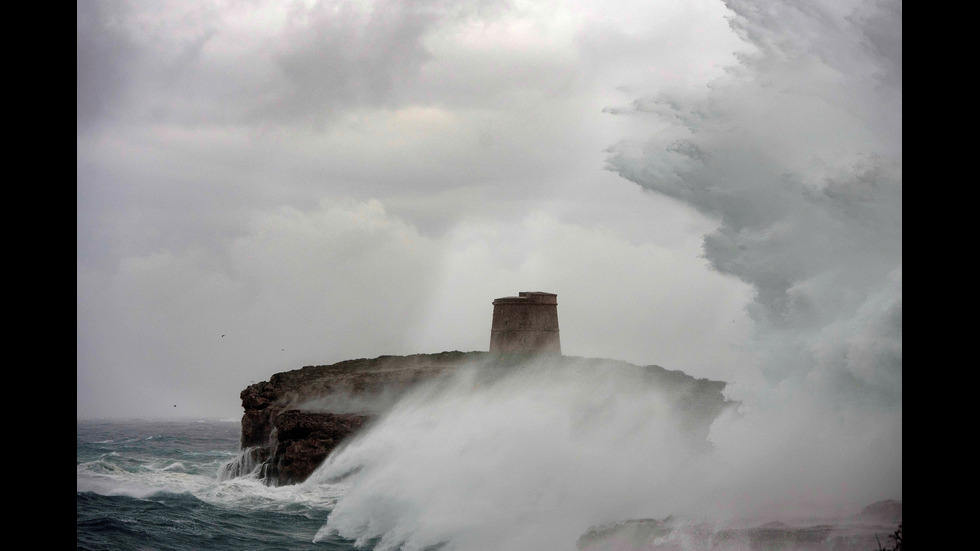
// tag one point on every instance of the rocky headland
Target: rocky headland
(295, 419)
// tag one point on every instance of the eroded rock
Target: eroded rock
(295, 419)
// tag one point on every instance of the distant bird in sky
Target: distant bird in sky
(222, 335)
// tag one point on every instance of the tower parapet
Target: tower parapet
(526, 324)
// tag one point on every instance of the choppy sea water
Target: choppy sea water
(594, 458)
(148, 485)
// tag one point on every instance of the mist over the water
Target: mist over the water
(797, 154)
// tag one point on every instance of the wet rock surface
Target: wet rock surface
(296, 418)
(302, 440)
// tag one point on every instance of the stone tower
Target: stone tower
(526, 324)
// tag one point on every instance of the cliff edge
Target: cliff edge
(295, 419)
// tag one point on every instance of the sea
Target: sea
(147, 485)
(163, 486)
(590, 458)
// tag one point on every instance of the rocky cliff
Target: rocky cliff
(295, 419)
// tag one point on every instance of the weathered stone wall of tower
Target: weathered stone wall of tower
(526, 324)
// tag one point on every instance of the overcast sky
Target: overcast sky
(713, 187)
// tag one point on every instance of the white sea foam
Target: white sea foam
(245, 492)
(527, 458)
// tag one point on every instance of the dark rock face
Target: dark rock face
(295, 419)
(302, 440)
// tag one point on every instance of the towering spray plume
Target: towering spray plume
(524, 456)
(797, 153)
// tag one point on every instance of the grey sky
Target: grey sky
(711, 187)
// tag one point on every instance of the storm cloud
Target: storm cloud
(711, 187)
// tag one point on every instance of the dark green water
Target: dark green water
(146, 485)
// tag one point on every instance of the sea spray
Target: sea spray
(524, 457)
(796, 152)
